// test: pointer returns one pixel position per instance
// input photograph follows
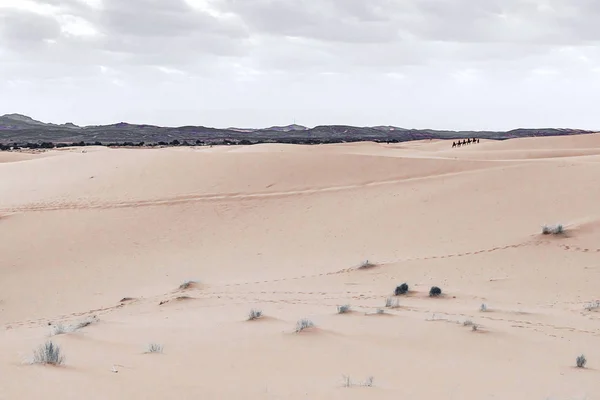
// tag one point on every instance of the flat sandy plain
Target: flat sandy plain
(284, 228)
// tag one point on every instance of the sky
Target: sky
(442, 64)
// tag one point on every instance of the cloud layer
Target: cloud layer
(494, 64)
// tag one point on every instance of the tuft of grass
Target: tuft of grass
(60, 328)
(86, 322)
(304, 324)
(474, 327)
(553, 229)
(435, 291)
(186, 285)
(380, 311)
(154, 348)
(366, 265)
(254, 314)
(483, 308)
(581, 361)
(343, 309)
(347, 381)
(468, 322)
(391, 302)
(48, 353)
(593, 305)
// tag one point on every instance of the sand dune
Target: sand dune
(284, 229)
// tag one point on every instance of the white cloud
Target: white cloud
(76, 26)
(414, 63)
(169, 71)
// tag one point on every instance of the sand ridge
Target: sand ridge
(113, 233)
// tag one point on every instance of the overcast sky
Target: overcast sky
(453, 64)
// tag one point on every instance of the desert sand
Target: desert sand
(111, 234)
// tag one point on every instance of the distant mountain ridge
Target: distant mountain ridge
(286, 128)
(18, 121)
(22, 129)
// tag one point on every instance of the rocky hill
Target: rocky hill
(25, 131)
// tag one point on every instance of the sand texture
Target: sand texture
(108, 236)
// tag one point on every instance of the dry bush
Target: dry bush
(48, 353)
(391, 302)
(366, 265)
(254, 314)
(304, 324)
(401, 289)
(154, 348)
(343, 309)
(60, 328)
(553, 229)
(187, 284)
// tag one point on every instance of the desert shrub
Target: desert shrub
(343, 309)
(468, 322)
(391, 302)
(593, 305)
(304, 324)
(347, 381)
(580, 361)
(366, 265)
(48, 353)
(187, 285)
(254, 314)
(380, 311)
(60, 328)
(435, 291)
(154, 348)
(85, 322)
(553, 229)
(483, 308)
(401, 289)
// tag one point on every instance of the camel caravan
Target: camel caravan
(464, 142)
